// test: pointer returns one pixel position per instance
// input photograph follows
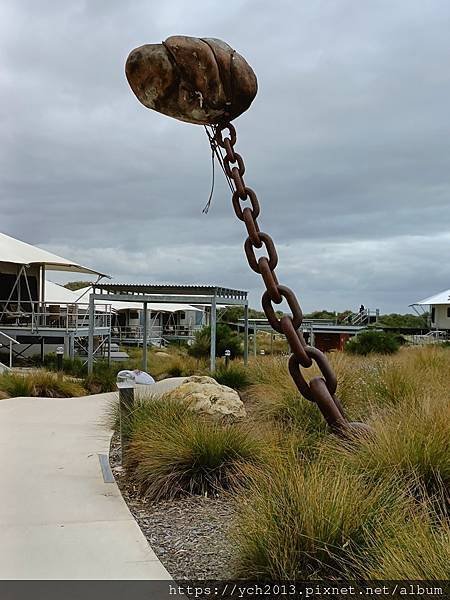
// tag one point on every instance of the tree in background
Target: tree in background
(321, 314)
(232, 314)
(77, 285)
(226, 339)
(403, 321)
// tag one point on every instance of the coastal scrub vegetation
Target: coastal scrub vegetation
(310, 505)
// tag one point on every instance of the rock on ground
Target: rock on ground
(206, 396)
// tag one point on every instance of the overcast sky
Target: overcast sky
(347, 145)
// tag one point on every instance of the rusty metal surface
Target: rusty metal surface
(322, 389)
(198, 80)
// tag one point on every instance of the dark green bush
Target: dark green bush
(368, 342)
(103, 379)
(226, 339)
(74, 366)
(235, 376)
(175, 370)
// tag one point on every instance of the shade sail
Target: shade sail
(20, 253)
(57, 294)
(441, 298)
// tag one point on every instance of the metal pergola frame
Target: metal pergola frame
(205, 295)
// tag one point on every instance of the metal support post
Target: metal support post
(72, 347)
(109, 348)
(213, 334)
(91, 335)
(144, 339)
(246, 334)
(41, 321)
(255, 331)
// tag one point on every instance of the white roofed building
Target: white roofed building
(38, 315)
(166, 320)
(439, 307)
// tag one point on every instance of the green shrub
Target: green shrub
(226, 339)
(103, 378)
(175, 370)
(174, 452)
(235, 376)
(74, 366)
(368, 342)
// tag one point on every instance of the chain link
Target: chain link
(322, 389)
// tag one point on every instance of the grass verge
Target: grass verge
(39, 383)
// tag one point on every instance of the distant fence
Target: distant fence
(433, 337)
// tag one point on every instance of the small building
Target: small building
(323, 334)
(34, 318)
(166, 321)
(439, 310)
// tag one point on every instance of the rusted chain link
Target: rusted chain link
(322, 389)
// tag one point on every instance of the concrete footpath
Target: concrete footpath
(58, 517)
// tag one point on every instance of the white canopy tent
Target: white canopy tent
(20, 253)
(23, 268)
(58, 294)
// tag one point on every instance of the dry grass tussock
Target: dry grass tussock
(168, 362)
(374, 508)
(39, 383)
(173, 452)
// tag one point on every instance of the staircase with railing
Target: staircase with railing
(9, 342)
(366, 316)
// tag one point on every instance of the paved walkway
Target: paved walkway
(58, 518)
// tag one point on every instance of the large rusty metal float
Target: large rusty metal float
(205, 82)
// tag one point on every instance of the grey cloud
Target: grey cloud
(347, 145)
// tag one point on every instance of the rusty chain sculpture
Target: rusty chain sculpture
(204, 81)
(320, 389)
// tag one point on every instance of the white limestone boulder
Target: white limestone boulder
(206, 396)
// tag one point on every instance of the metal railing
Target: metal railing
(33, 316)
(432, 337)
(366, 316)
(155, 334)
(11, 341)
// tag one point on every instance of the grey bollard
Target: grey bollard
(227, 358)
(59, 358)
(125, 385)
